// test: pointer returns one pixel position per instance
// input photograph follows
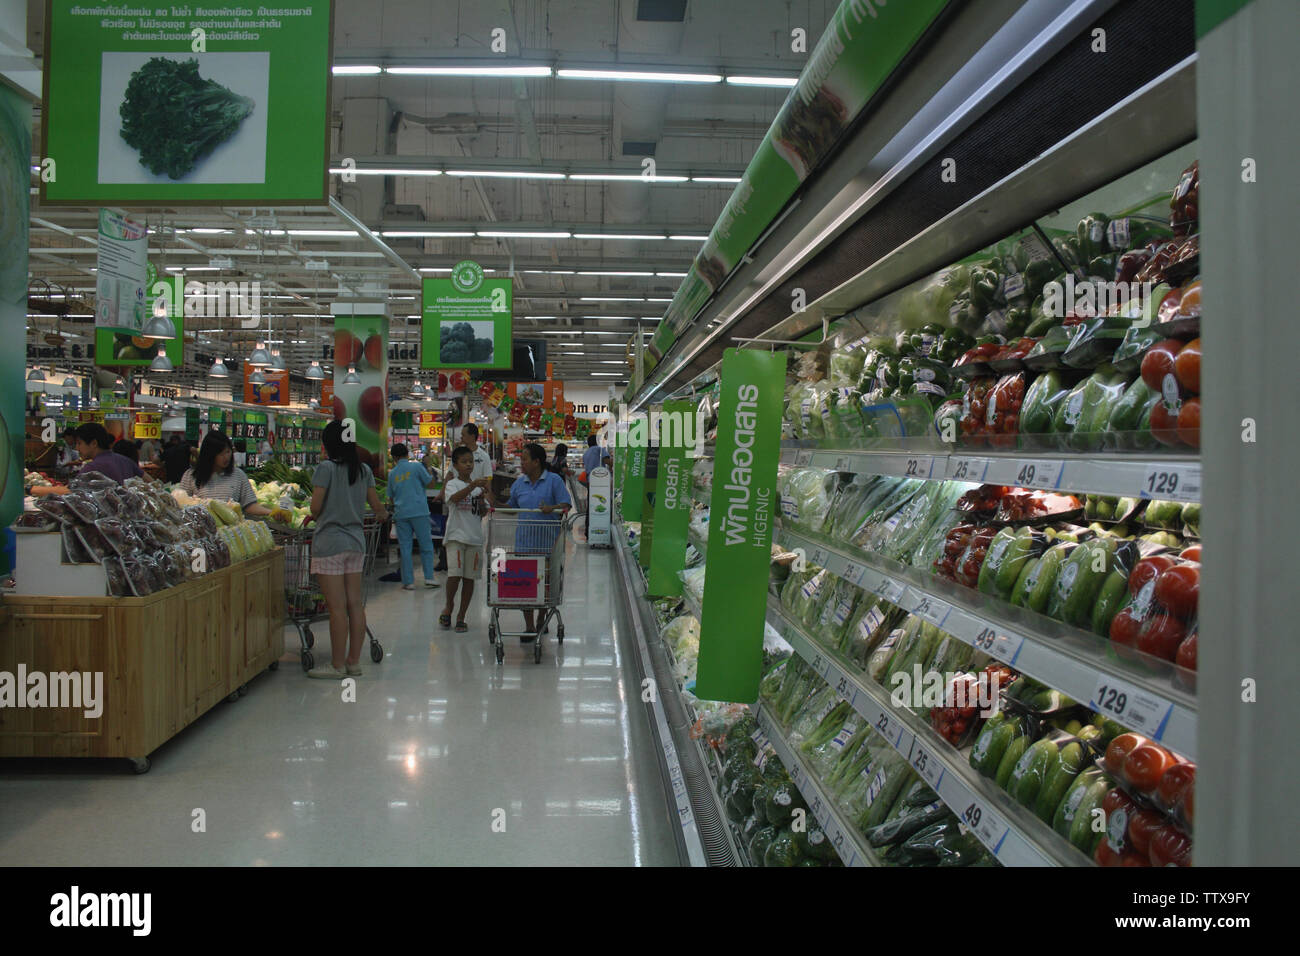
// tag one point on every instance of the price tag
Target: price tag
(985, 824)
(930, 608)
(844, 463)
(996, 643)
(788, 455)
(1029, 473)
(819, 557)
(1131, 706)
(1171, 482)
(803, 456)
(889, 728)
(967, 469)
(927, 765)
(853, 573)
(918, 467)
(890, 590)
(842, 688)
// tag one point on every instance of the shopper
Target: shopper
(590, 458)
(215, 476)
(560, 463)
(341, 488)
(463, 539)
(406, 484)
(176, 459)
(482, 460)
(543, 490)
(150, 451)
(127, 449)
(68, 455)
(94, 445)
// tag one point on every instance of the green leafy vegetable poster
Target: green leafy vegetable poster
(222, 102)
(466, 320)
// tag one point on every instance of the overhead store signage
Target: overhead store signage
(635, 445)
(121, 273)
(15, 176)
(218, 103)
(147, 425)
(672, 500)
(362, 341)
(466, 320)
(431, 425)
(743, 510)
(274, 391)
(862, 45)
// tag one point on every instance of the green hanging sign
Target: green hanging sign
(672, 500)
(634, 476)
(648, 506)
(742, 514)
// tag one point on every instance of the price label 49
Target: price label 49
(1005, 647)
(985, 824)
(1038, 473)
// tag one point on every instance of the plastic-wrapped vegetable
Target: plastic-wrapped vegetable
(138, 575)
(200, 519)
(58, 509)
(845, 365)
(77, 553)
(94, 542)
(157, 576)
(118, 585)
(82, 505)
(837, 611)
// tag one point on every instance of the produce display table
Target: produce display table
(166, 658)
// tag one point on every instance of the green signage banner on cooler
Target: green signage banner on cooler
(648, 486)
(672, 500)
(221, 102)
(361, 341)
(15, 177)
(637, 444)
(466, 320)
(742, 512)
(863, 43)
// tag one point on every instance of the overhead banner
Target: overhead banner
(217, 103)
(362, 341)
(147, 425)
(466, 320)
(672, 500)
(274, 391)
(742, 512)
(862, 45)
(116, 345)
(121, 267)
(431, 425)
(15, 177)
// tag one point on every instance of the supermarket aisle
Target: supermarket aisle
(440, 742)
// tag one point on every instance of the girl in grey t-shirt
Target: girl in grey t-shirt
(341, 488)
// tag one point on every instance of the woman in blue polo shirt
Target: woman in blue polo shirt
(541, 489)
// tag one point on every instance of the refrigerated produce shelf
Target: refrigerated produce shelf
(1063, 657)
(1012, 834)
(848, 843)
(1171, 477)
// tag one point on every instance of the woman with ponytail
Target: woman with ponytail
(341, 488)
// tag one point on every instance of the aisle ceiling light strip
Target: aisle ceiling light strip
(785, 81)
(617, 235)
(639, 76)
(424, 234)
(484, 71)
(633, 177)
(360, 69)
(505, 173)
(385, 171)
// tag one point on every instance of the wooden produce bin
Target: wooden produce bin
(166, 658)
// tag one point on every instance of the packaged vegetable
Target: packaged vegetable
(118, 585)
(82, 505)
(94, 542)
(75, 552)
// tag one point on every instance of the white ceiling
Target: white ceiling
(554, 124)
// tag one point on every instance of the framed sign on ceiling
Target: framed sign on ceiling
(224, 106)
(466, 321)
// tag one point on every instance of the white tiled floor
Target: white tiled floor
(440, 743)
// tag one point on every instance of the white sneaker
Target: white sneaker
(408, 587)
(354, 671)
(327, 672)
(430, 584)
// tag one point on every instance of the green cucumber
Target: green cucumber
(1063, 818)
(1044, 576)
(1015, 750)
(1109, 599)
(1036, 412)
(1061, 772)
(1021, 550)
(992, 743)
(993, 558)
(1126, 415)
(1081, 833)
(1031, 771)
(1021, 590)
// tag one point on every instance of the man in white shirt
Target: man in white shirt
(482, 460)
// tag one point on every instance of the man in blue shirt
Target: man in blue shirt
(406, 484)
(94, 445)
(592, 459)
(542, 489)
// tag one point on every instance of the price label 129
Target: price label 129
(1131, 706)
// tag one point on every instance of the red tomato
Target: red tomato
(1124, 628)
(1141, 825)
(1146, 765)
(1175, 784)
(1164, 424)
(1191, 302)
(1189, 423)
(1170, 847)
(1104, 855)
(1117, 799)
(1159, 361)
(1147, 570)
(1185, 656)
(1192, 553)
(1168, 307)
(1120, 748)
(1160, 636)
(1177, 588)
(1187, 365)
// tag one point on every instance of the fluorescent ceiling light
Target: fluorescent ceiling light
(384, 171)
(193, 269)
(616, 273)
(204, 231)
(659, 300)
(715, 179)
(610, 362)
(786, 81)
(616, 235)
(689, 238)
(325, 233)
(645, 76)
(360, 70)
(504, 174)
(422, 234)
(469, 70)
(614, 374)
(581, 331)
(610, 298)
(673, 275)
(627, 318)
(629, 177)
(428, 269)
(515, 234)
(265, 232)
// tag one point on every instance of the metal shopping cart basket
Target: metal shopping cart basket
(525, 559)
(306, 604)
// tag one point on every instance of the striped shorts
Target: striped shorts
(349, 562)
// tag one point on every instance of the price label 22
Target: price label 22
(918, 467)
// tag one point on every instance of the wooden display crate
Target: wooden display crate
(166, 658)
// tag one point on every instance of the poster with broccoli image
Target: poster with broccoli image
(466, 320)
(221, 103)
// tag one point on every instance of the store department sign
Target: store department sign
(222, 102)
(466, 320)
(672, 503)
(742, 510)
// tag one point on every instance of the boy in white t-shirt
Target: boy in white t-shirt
(463, 537)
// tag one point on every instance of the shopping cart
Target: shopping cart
(306, 603)
(525, 559)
